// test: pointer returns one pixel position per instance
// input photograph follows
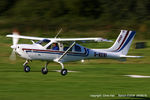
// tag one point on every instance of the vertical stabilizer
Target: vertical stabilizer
(123, 42)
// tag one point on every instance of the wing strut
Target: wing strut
(58, 59)
(58, 33)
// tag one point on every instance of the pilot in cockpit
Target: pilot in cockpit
(55, 46)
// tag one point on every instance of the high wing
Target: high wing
(80, 39)
(25, 37)
(60, 39)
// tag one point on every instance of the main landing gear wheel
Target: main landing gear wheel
(44, 70)
(27, 68)
(64, 72)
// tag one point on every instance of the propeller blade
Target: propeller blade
(14, 46)
(15, 39)
(13, 55)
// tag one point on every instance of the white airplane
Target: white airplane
(57, 49)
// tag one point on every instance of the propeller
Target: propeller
(14, 46)
(13, 55)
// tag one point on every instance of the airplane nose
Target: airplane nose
(17, 50)
(13, 46)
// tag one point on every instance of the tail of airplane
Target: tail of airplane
(123, 42)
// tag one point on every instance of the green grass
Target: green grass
(94, 77)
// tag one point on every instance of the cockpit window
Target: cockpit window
(43, 42)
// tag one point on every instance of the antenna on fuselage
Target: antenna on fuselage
(58, 33)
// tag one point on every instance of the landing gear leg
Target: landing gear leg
(44, 70)
(63, 71)
(26, 67)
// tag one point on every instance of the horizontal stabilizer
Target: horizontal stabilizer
(124, 56)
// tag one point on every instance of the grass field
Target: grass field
(94, 79)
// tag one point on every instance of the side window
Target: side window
(66, 46)
(49, 47)
(77, 48)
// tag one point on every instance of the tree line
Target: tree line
(76, 13)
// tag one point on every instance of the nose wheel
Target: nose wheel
(27, 68)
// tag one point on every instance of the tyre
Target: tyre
(27, 68)
(44, 70)
(64, 72)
